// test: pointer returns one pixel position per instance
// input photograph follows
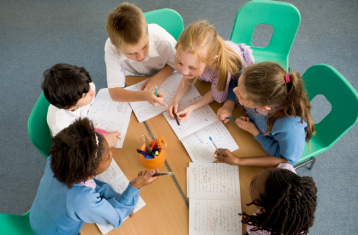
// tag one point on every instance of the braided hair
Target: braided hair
(289, 203)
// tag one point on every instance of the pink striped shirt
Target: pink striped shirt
(212, 75)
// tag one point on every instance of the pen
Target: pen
(160, 174)
(144, 153)
(176, 119)
(215, 146)
(232, 119)
(156, 91)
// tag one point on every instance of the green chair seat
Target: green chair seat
(15, 224)
(285, 20)
(38, 129)
(168, 19)
(325, 80)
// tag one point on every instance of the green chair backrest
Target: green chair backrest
(38, 129)
(325, 80)
(168, 19)
(15, 224)
(285, 20)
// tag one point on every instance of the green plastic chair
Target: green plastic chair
(326, 80)
(168, 19)
(38, 129)
(15, 224)
(285, 20)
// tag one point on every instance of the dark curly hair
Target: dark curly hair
(75, 155)
(65, 84)
(289, 203)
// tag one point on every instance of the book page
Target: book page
(105, 105)
(119, 182)
(144, 110)
(214, 217)
(111, 174)
(199, 118)
(213, 181)
(201, 149)
(111, 123)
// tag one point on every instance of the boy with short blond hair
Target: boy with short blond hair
(139, 48)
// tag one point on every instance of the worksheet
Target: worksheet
(213, 190)
(194, 133)
(144, 110)
(119, 182)
(109, 115)
(214, 217)
(213, 181)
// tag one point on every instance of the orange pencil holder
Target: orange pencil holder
(154, 162)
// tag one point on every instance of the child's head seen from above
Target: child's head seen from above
(67, 86)
(267, 86)
(199, 46)
(79, 153)
(286, 201)
(127, 29)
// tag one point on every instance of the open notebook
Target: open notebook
(144, 110)
(109, 115)
(194, 133)
(119, 182)
(214, 199)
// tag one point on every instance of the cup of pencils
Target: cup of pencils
(154, 157)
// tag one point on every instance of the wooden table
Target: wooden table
(166, 210)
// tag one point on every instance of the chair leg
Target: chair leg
(312, 160)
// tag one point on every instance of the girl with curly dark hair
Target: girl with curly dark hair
(69, 196)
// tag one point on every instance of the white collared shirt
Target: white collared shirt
(59, 119)
(161, 52)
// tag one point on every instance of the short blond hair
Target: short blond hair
(201, 40)
(126, 24)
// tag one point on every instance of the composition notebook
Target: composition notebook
(214, 199)
(119, 182)
(194, 133)
(109, 115)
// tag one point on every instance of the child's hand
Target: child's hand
(227, 157)
(112, 138)
(131, 215)
(150, 83)
(149, 95)
(173, 108)
(144, 178)
(184, 114)
(246, 124)
(223, 113)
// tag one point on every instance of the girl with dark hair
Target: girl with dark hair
(277, 108)
(69, 196)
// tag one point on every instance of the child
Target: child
(286, 202)
(69, 196)
(139, 48)
(203, 54)
(277, 108)
(71, 92)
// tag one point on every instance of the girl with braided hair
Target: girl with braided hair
(69, 196)
(278, 112)
(286, 202)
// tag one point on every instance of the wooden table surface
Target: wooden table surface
(166, 211)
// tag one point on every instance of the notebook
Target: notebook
(119, 182)
(109, 115)
(214, 199)
(194, 133)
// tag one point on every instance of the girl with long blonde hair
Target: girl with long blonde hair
(202, 54)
